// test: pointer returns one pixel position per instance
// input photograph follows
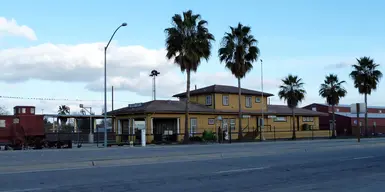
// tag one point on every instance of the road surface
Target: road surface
(281, 166)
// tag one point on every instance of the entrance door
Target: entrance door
(225, 129)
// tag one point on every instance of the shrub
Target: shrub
(208, 136)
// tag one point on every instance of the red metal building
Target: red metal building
(346, 122)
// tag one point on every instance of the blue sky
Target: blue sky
(306, 38)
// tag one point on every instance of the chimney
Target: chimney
(195, 87)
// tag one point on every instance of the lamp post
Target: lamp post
(105, 83)
(154, 73)
(91, 135)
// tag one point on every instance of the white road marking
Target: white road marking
(367, 157)
(241, 170)
(24, 190)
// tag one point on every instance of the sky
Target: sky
(54, 50)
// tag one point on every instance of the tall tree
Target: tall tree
(188, 42)
(293, 93)
(366, 77)
(63, 110)
(332, 90)
(238, 51)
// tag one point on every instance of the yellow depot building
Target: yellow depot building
(213, 107)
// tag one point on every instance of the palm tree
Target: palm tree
(63, 110)
(332, 90)
(366, 77)
(238, 51)
(188, 41)
(293, 93)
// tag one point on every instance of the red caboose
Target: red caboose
(23, 127)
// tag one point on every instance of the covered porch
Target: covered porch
(157, 129)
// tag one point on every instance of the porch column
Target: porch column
(75, 126)
(143, 133)
(118, 136)
(177, 125)
(152, 125)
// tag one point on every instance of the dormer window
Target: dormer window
(32, 111)
(23, 110)
(209, 100)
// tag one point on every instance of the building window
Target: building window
(23, 110)
(280, 119)
(257, 99)
(314, 108)
(18, 110)
(380, 111)
(232, 124)
(338, 110)
(307, 119)
(32, 110)
(248, 102)
(209, 100)
(2, 123)
(211, 121)
(193, 125)
(225, 100)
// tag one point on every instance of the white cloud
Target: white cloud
(128, 68)
(12, 28)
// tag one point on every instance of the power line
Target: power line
(52, 99)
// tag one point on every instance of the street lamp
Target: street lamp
(91, 135)
(105, 83)
(154, 73)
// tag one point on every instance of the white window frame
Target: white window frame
(232, 124)
(32, 110)
(193, 126)
(2, 123)
(249, 102)
(225, 100)
(209, 100)
(280, 119)
(307, 119)
(23, 110)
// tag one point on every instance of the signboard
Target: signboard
(353, 108)
(140, 125)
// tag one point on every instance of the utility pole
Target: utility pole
(262, 104)
(112, 98)
(154, 73)
(358, 122)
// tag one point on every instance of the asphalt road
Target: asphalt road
(295, 166)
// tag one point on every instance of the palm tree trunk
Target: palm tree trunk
(333, 125)
(186, 131)
(293, 117)
(240, 134)
(366, 114)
